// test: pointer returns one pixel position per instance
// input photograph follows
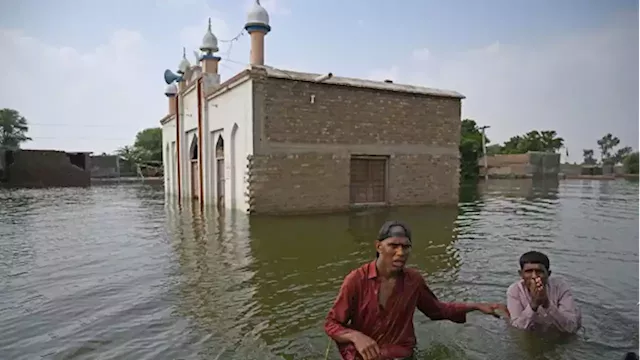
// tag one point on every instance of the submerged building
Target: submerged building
(270, 140)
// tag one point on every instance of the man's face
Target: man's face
(532, 271)
(394, 252)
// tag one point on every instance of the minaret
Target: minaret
(171, 92)
(209, 47)
(183, 67)
(257, 26)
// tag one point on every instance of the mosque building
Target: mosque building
(271, 140)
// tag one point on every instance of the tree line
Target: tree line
(146, 149)
(535, 140)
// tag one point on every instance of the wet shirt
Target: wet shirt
(562, 313)
(357, 308)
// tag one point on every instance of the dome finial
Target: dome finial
(209, 42)
(257, 19)
(184, 63)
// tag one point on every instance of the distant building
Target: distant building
(111, 166)
(531, 164)
(277, 141)
(105, 166)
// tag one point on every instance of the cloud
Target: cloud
(73, 98)
(582, 84)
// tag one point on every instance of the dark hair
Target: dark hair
(534, 257)
(393, 228)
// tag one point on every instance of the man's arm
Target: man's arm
(340, 313)
(565, 316)
(521, 317)
(434, 309)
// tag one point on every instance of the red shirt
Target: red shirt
(357, 308)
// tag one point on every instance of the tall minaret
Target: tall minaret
(257, 26)
(183, 67)
(209, 47)
(170, 92)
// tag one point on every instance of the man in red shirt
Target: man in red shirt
(372, 316)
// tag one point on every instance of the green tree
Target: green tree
(148, 144)
(621, 154)
(512, 146)
(147, 147)
(631, 163)
(587, 155)
(550, 140)
(546, 140)
(13, 129)
(129, 154)
(470, 149)
(607, 144)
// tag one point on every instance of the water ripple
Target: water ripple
(112, 272)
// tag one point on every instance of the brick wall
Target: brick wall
(424, 179)
(36, 168)
(348, 115)
(302, 149)
(300, 183)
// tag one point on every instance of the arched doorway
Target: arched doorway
(167, 168)
(219, 155)
(232, 166)
(193, 156)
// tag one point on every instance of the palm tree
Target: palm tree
(550, 141)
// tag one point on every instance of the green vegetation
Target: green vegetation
(471, 146)
(610, 156)
(147, 148)
(13, 129)
(546, 141)
(470, 149)
(632, 163)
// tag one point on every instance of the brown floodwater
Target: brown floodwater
(116, 272)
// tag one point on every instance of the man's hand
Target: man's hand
(492, 309)
(538, 294)
(366, 346)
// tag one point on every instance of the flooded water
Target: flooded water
(112, 272)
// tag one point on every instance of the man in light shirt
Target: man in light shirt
(541, 302)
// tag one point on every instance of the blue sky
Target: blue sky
(88, 74)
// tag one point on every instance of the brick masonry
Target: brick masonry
(303, 146)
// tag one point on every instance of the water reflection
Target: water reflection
(138, 278)
(528, 189)
(301, 261)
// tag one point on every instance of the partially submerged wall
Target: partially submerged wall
(531, 164)
(46, 168)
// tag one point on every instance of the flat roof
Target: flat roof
(362, 83)
(269, 71)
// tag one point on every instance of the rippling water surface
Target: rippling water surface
(112, 272)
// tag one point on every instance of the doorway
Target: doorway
(219, 155)
(195, 171)
(368, 180)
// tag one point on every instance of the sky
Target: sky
(87, 74)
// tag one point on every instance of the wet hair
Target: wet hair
(393, 228)
(534, 257)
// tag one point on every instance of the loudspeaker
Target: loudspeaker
(170, 77)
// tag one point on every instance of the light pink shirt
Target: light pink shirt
(561, 314)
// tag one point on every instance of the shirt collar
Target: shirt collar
(372, 271)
